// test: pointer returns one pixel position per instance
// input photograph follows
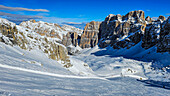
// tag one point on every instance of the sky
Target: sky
(58, 11)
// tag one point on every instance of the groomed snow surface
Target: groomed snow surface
(95, 72)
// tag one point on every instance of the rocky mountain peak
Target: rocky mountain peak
(148, 19)
(161, 18)
(33, 21)
(109, 17)
(139, 14)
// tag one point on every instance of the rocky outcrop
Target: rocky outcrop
(161, 18)
(148, 19)
(27, 39)
(151, 35)
(8, 32)
(71, 38)
(164, 41)
(122, 31)
(71, 42)
(89, 37)
(135, 16)
(33, 21)
(66, 35)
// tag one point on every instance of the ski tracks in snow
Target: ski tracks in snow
(65, 76)
(47, 73)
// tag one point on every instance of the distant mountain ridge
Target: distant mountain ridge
(77, 25)
(116, 31)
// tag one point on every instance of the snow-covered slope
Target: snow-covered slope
(50, 29)
(29, 40)
(33, 60)
(6, 22)
(38, 61)
(61, 34)
(109, 62)
(32, 73)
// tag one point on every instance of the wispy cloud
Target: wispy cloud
(61, 20)
(16, 18)
(43, 14)
(148, 10)
(2, 7)
(81, 15)
(167, 14)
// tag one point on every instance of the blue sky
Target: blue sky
(58, 11)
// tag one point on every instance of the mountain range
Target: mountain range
(127, 45)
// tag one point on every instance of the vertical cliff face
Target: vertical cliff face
(122, 31)
(151, 35)
(71, 38)
(152, 32)
(126, 31)
(164, 41)
(71, 41)
(89, 37)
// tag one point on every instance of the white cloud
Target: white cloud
(2, 7)
(18, 18)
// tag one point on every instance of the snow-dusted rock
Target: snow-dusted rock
(126, 31)
(161, 18)
(148, 19)
(45, 29)
(122, 31)
(71, 42)
(153, 31)
(66, 35)
(164, 41)
(29, 39)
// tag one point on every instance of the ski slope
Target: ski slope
(19, 83)
(46, 73)
(32, 73)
